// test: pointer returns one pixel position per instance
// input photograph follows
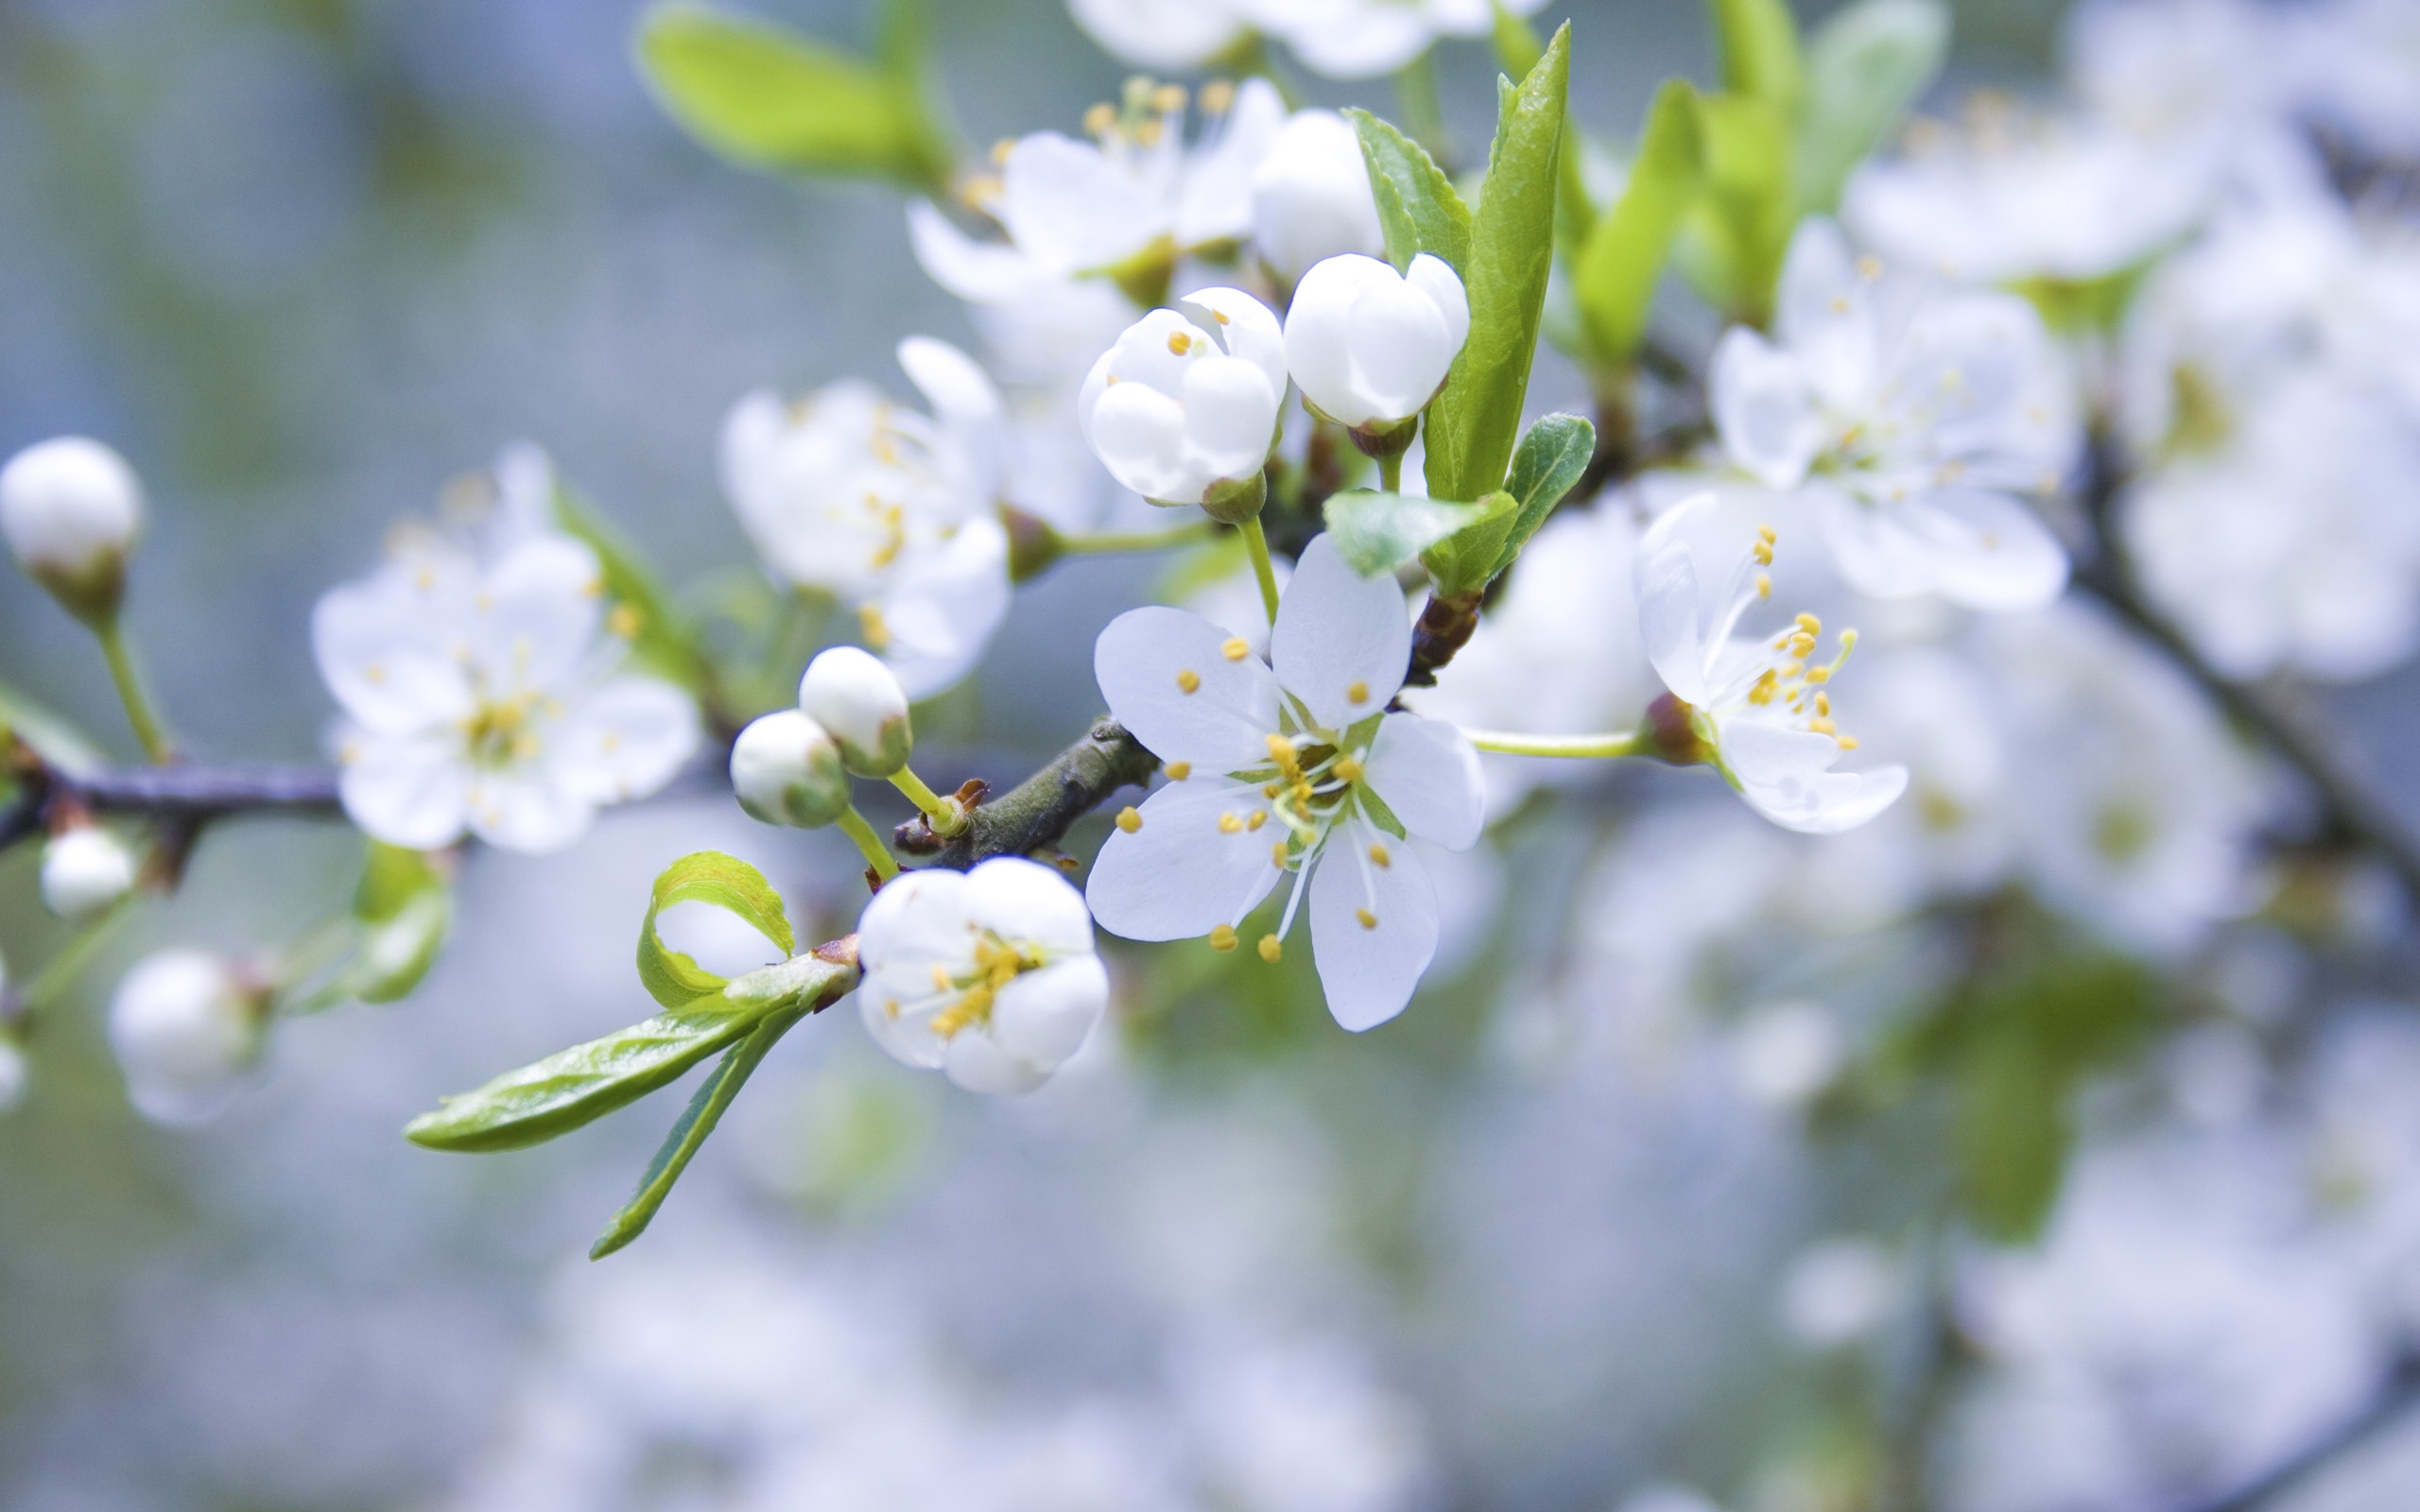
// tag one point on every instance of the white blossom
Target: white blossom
(1362, 39)
(1371, 346)
(1292, 765)
(1760, 707)
(785, 769)
(1837, 1291)
(1161, 33)
(71, 509)
(1183, 408)
(856, 700)
(1913, 418)
(481, 692)
(85, 870)
(1311, 198)
(187, 1029)
(891, 510)
(986, 975)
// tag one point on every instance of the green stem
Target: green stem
(1096, 545)
(943, 815)
(1574, 746)
(129, 691)
(1416, 98)
(1256, 543)
(1390, 473)
(854, 825)
(72, 958)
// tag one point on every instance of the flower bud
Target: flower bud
(187, 1030)
(84, 869)
(1187, 400)
(71, 509)
(786, 770)
(13, 1074)
(1371, 347)
(859, 703)
(1310, 196)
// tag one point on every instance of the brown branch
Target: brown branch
(1038, 811)
(184, 797)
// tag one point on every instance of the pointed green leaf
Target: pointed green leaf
(1417, 205)
(1550, 459)
(1378, 532)
(1471, 428)
(1735, 238)
(705, 877)
(1519, 46)
(1760, 57)
(1865, 67)
(706, 1107)
(1626, 250)
(765, 96)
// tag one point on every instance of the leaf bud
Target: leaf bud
(858, 701)
(786, 770)
(71, 509)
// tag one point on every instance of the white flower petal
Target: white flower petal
(977, 1063)
(381, 651)
(1338, 634)
(1028, 903)
(1143, 662)
(1072, 210)
(1042, 1017)
(411, 790)
(1183, 872)
(918, 920)
(526, 810)
(941, 607)
(1984, 550)
(906, 1039)
(1230, 416)
(1369, 971)
(1666, 576)
(1829, 803)
(538, 611)
(1215, 202)
(1763, 410)
(1428, 775)
(623, 741)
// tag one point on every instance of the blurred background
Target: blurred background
(303, 261)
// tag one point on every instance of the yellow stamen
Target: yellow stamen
(1259, 818)
(1001, 149)
(1277, 855)
(1235, 649)
(1764, 585)
(623, 624)
(1379, 857)
(1369, 920)
(1129, 818)
(1179, 343)
(1169, 98)
(1223, 937)
(1281, 750)
(1189, 680)
(1357, 692)
(1217, 97)
(877, 633)
(1847, 742)
(1821, 727)
(1100, 118)
(1271, 949)
(1229, 824)
(1348, 770)
(1179, 771)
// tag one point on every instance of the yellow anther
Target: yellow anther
(1764, 585)
(1217, 97)
(876, 631)
(1819, 674)
(891, 1006)
(623, 624)
(1179, 771)
(1001, 149)
(1766, 684)
(1766, 534)
(1229, 824)
(1129, 818)
(1848, 641)
(1847, 742)
(1221, 316)
(1869, 267)
(1840, 304)
(594, 588)
(1277, 855)
(1281, 750)
(1793, 669)
(1148, 134)
(1369, 920)
(1822, 701)
(1273, 949)
(374, 674)
(1357, 692)
(1272, 790)
(1763, 551)
(1235, 649)
(1259, 818)
(940, 978)
(1100, 118)
(1169, 98)
(1223, 937)
(1801, 647)
(1809, 624)
(1348, 770)
(1821, 727)
(1303, 794)
(1189, 680)
(1180, 342)
(1379, 858)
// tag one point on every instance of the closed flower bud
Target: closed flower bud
(84, 869)
(12, 1072)
(786, 770)
(187, 1030)
(1310, 196)
(859, 703)
(1183, 408)
(1369, 346)
(71, 509)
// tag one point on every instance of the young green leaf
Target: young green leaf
(706, 1107)
(1626, 250)
(1865, 66)
(663, 641)
(1418, 208)
(1550, 459)
(1378, 532)
(1519, 46)
(769, 98)
(1734, 240)
(1475, 421)
(1760, 57)
(705, 877)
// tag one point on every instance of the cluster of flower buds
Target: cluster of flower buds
(792, 766)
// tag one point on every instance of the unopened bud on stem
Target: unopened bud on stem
(84, 869)
(786, 769)
(860, 704)
(71, 509)
(187, 1027)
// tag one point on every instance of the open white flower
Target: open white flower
(1371, 346)
(892, 510)
(1183, 408)
(1363, 38)
(187, 1028)
(1913, 418)
(1759, 708)
(481, 692)
(1310, 196)
(986, 975)
(1290, 765)
(1161, 33)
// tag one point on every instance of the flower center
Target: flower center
(996, 963)
(502, 733)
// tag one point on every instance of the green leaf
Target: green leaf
(1471, 428)
(1417, 205)
(1733, 241)
(1760, 58)
(1865, 67)
(1626, 250)
(1518, 47)
(705, 877)
(405, 909)
(1462, 563)
(1550, 459)
(706, 1107)
(391, 876)
(587, 1081)
(1378, 532)
(662, 639)
(768, 98)
(46, 734)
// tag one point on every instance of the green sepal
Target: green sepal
(576, 1086)
(1865, 67)
(1472, 426)
(672, 978)
(1378, 532)
(664, 641)
(706, 1106)
(769, 98)
(1418, 209)
(1624, 255)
